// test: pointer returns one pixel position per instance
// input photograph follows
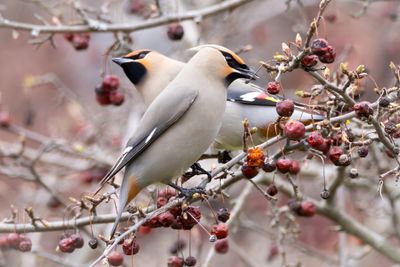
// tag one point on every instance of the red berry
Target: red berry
(190, 261)
(110, 83)
(175, 31)
(69, 36)
(66, 245)
(308, 209)
(329, 55)
(272, 190)
(325, 146)
(103, 99)
(319, 46)
(294, 130)
(175, 261)
(25, 245)
(5, 119)
(309, 61)
(285, 108)
(269, 165)
(221, 246)
(166, 219)
(363, 109)
(144, 229)
(249, 171)
(335, 153)
(117, 98)
(130, 247)
(220, 230)
(115, 258)
(223, 214)
(77, 240)
(294, 167)
(13, 240)
(80, 41)
(273, 88)
(283, 165)
(315, 140)
(362, 151)
(4, 242)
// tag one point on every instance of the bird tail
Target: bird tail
(128, 191)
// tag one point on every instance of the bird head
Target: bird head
(227, 62)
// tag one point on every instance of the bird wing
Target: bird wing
(156, 120)
(252, 98)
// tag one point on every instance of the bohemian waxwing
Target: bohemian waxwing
(151, 71)
(180, 124)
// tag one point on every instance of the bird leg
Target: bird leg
(187, 192)
(196, 170)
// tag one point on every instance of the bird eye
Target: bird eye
(228, 58)
(141, 55)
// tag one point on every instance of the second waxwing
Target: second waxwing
(151, 71)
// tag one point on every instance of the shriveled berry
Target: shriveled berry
(272, 190)
(325, 194)
(223, 214)
(294, 130)
(175, 261)
(255, 157)
(283, 165)
(353, 173)
(115, 258)
(308, 209)
(363, 109)
(190, 261)
(315, 140)
(390, 127)
(166, 219)
(117, 98)
(66, 245)
(285, 108)
(25, 245)
(13, 240)
(384, 102)
(319, 46)
(110, 83)
(294, 167)
(5, 119)
(344, 160)
(309, 61)
(78, 241)
(269, 165)
(221, 246)
(175, 31)
(249, 171)
(93, 243)
(81, 41)
(130, 246)
(329, 56)
(362, 151)
(335, 153)
(178, 246)
(273, 88)
(220, 230)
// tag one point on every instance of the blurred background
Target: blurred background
(49, 94)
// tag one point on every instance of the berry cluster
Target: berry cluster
(15, 241)
(107, 92)
(325, 52)
(68, 243)
(80, 41)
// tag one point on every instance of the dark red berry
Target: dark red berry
(319, 46)
(221, 246)
(191, 218)
(220, 230)
(335, 153)
(294, 167)
(283, 165)
(329, 55)
(294, 130)
(110, 83)
(166, 219)
(130, 246)
(223, 214)
(384, 102)
(315, 140)
(93, 243)
(285, 108)
(362, 151)
(175, 31)
(13, 240)
(115, 258)
(177, 224)
(69, 36)
(269, 165)
(81, 41)
(309, 61)
(5, 119)
(273, 88)
(78, 241)
(363, 109)
(294, 205)
(175, 261)
(25, 245)
(249, 171)
(66, 245)
(117, 98)
(103, 100)
(390, 127)
(190, 261)
(272, 190)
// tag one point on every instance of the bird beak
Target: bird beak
(247, 73)
(121, 60)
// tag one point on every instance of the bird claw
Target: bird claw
(188, 192)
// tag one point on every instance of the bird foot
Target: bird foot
(188, 192)
(196, 170)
